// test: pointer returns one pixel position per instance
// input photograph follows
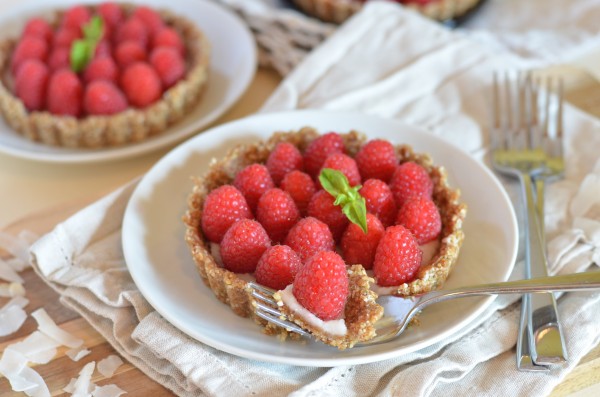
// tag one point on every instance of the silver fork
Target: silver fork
(518, 151)
(398, 312)
(545, 324)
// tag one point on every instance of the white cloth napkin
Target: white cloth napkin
(392, 63)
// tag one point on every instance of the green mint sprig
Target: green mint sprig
(346, 196)
(82, 50)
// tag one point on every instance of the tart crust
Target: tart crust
(362, 311)
(337, 11)
(129, 126)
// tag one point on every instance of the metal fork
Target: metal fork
(398, 312)
(518, 150)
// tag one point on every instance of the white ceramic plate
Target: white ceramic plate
(162, 267)
(232, 67)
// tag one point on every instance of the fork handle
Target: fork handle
(566, 283)
(546, 342)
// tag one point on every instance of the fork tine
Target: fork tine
(559, 119)
(270, 312)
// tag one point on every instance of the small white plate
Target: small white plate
(232, 67)
(162, 267)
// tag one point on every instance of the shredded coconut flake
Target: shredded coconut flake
(49, 327)
(37, 348)
(30, 375)
(12, 362)
(78, 353)
(108, 366)
(108, 391)
(71, 386)
(83, 385)
(18, 246)
(8, 273)
(11, 319)
(10, 290)
(22, 378)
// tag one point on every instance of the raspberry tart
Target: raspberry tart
(347, 220)
(102, 75)
(338, 11)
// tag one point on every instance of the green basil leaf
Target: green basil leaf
(79, 55)
(334, 182)
(356, 211)
(82, 50)
(353, 204)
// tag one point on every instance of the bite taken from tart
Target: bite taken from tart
(329, 221)
(104, 75)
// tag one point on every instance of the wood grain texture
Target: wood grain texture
(58, 372)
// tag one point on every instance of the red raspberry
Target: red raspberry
(345, 164)
(150, 18)
(103, 50)
(222, 208)
(358, 247)
(321, 285)
(308, 237)
(377, 159)
(421, 216)
(318, 150)
(101, 69)
(284, 158)
(301, 187)
(111, 13)
(410, 179)
(102, 97)
(30, 47)
(135, 30)
(243, 245)
(168, 37)
(59, 58)
(321, 207)
(141, 84)
(40, 28)
(31, 83)
(397, 258)
(65, 36)
(169, 64)
(75, 17)
(277, 212)
(379, 200)
(128, 52)
(277, 267)
(253, 181)
(65, 93)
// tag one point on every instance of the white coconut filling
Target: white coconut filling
(331, 327)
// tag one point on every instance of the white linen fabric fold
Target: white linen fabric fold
(419, 73)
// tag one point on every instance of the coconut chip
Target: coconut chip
(107, 391)
(78, 353)
(18, 246)
(10, 290)
(83, 385)
(37, 348)
(108, 366)
(22, 378)
(12, 315)
(49, 327)
(8, 273)
(30, 375)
